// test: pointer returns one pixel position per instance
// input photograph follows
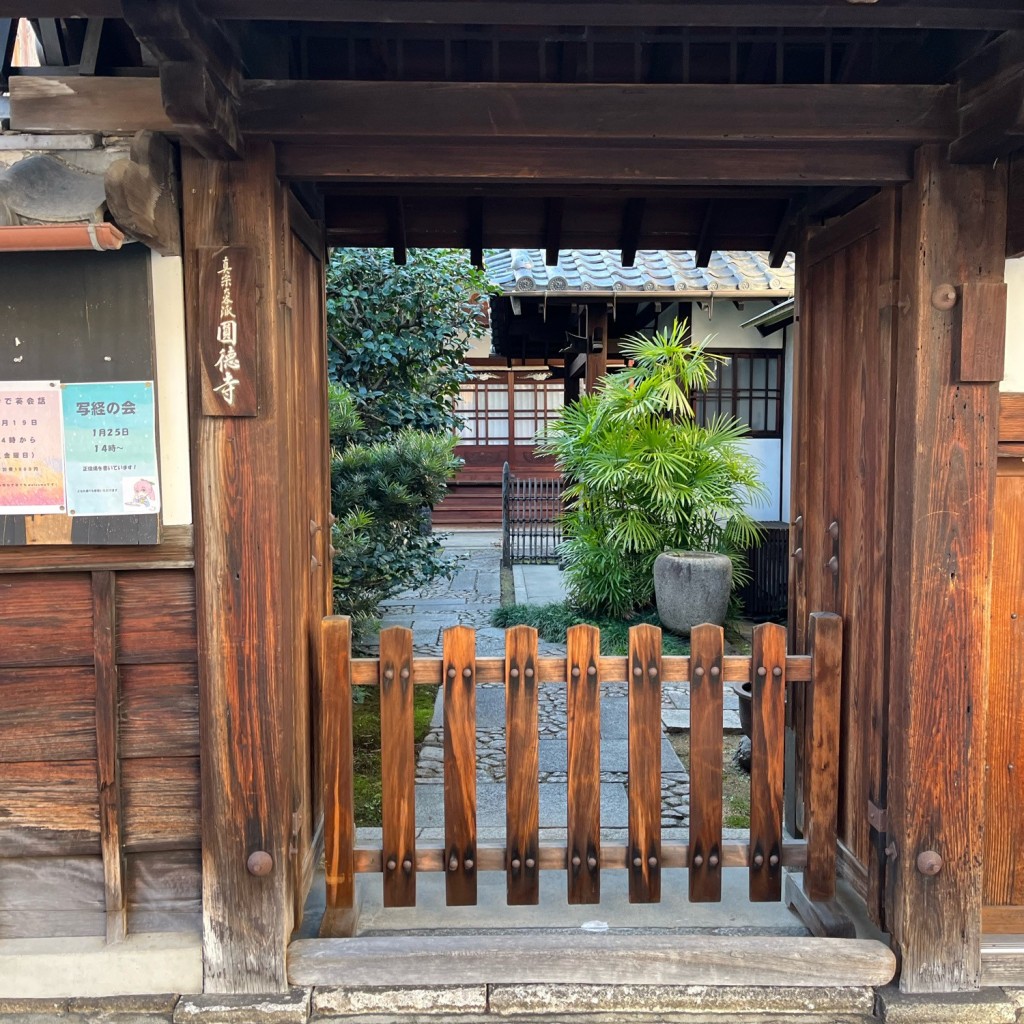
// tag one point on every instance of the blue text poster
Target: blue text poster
(110, 449)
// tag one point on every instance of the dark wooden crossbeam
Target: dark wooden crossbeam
(705, 240)
(699, 113)
(745, 114)
(969, 14)
(991, 114)
(395, 161)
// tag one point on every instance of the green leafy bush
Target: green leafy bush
(644, 477)
(382, 492)
(399, 334)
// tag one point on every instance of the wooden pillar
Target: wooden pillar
(244, 575)
(597, 347)
(953, 233)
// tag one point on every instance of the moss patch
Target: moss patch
(366, 746)
(735, 781)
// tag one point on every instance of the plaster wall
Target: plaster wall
(1013, 373)
(172, 388)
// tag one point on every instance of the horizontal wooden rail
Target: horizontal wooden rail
(614, 856)
(676, 669)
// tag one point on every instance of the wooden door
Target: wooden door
(846, 346)
(310, 443)
(1004, 762)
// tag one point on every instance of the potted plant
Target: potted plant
(645, 478)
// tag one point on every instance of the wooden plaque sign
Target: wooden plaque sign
(227, 332)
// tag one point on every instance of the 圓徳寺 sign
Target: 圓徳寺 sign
(110, 459)
(227, 331)
(31, 448)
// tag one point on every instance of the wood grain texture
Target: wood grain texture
(128, 105)
(848, 296)
(583, 701)
(583, 732)
(159, 710)
(825, 639)
(1011, 417)
(601, 959)
(979, 325)
(338, 771)
(398, 767)
(522, 766)
(49, 809)
(1004, 739)
(175, 551)
(43, 718)
(644, 716)
(767, 756)
(460, 765)
(254, 648)
(47, 619)
(996, 920)
(160, 803)
(108, 755)
(707, 644)
(953, 230)
(824, 918)
(156, 617)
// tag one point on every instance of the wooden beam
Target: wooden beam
(953, 231)
(475, 230)
(632, 225)
(576, 163)
(1011, 417)
(123, 105)
(200, 74)
(692, 113)
(972, 14)
(991, 101)
(482, 110)
(980, 15)
(784, 234)
(554, 210)
(246, 615)
(613, 959)
(705, 239)
(396, 228)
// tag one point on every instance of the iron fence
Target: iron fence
(531, 530)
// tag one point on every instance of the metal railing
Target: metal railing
(531, 528)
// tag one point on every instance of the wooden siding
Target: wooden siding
(53, 879)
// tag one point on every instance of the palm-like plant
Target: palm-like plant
(644, 477)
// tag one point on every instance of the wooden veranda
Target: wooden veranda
(880, 142)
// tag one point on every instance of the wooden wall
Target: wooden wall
(99, 744)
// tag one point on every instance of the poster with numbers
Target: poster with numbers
(110, 448)
(31, 448)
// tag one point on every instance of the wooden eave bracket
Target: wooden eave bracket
(201, 73)
(142, 193)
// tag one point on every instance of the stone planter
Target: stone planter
(691, 587)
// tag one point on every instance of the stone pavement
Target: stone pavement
(469, 599)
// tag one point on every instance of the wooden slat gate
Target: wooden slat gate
(584, 857)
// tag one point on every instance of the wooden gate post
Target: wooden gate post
(952, 239)
(246, 579)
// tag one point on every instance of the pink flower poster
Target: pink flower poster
(31, 448)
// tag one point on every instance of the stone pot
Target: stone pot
(691, 587)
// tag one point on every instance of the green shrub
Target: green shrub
(382, 492)
(644, 477)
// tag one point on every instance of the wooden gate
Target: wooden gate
(583, 858)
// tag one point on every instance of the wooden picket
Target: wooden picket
(582, 672)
